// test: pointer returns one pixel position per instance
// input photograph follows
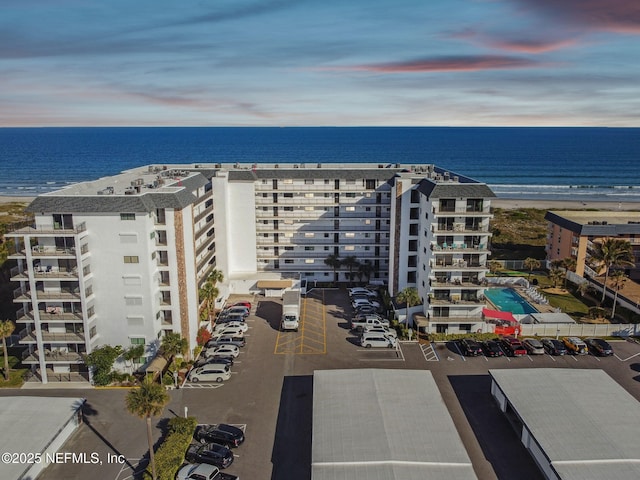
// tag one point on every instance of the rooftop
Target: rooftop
(586, 424)
(363, 429)
(599, 222)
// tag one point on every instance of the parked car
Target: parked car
(553, 346)
(226, 329)
(362, 291)
(242, 304)
(365, 309)
(241, 312)
(357, 302)
(513, 347)
(369, 340)
(203, 360)
(211, 453)
(470, 348)
(533, 346)
(366, 316)
(223, 326)
(211, 372)
(229, 317)
(491, 348)
(380, 329)
(575, 345)
(203, 471)
(221, 351)
(222, 434)
(599, 347)
(226, 340)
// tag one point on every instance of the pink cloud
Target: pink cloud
(621, 16)
(448, 64)
(529, 45)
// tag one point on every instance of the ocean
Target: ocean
(546, 163)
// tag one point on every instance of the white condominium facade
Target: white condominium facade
(119, 260)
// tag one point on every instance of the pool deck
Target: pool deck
(542, 308)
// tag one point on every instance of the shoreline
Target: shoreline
(496, 202)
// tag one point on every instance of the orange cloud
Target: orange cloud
(530, 46)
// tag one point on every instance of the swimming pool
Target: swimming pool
(508, 300)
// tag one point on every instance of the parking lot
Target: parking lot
(271, 393)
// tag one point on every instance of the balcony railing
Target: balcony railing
(51, 356)
(27, 337)
(457, 247)
(43, 251)
(52, 314)
(49, 230)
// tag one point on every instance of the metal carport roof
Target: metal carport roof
(375, 424)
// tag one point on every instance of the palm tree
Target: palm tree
(215, 277)
(531, 264)
(556, 275)
(173, 344)
(208, 294)
(618, 280)
(334, 262)
(6, 329)
(495, 266)
(132, 354)
(350, 262)
(365, 269)
(569, 264)
(612, 252)
(146, 402)
(409, 296)
(584, 288)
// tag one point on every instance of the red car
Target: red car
(241, 304)
(513, 346)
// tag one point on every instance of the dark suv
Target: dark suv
(599, 347)
(491, 348)
(213, 454)
(223, 434)
(470, 348)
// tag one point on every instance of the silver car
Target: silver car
(533, 346)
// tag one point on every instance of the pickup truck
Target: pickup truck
(360, 323)
(203, 471)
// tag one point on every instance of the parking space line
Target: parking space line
(625, 359)
(460, 352)
(134, 471)
(433, 357)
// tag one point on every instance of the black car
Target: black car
(470, 348)
(366, 309)
(226, 340)
(212, 453)
(553, 346)
(491, 348)
(599, 347)
(220, 360)
(222, 434)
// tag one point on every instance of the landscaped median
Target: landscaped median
(170, 455)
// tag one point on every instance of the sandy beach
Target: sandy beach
(507, 203)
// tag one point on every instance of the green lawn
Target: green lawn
(15, 376)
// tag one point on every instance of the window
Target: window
(370, 184)
(92, 332)
(127, 216)
(309, 234)
(350, 209)
(351, 182)
(350, 195)
(309, 249)
(132, 280)
(308, 195)
(414, 213)
(131, 259)
(152, 235)
(415, 196)
(288, 260)
(350, 235)
(128, 238)
(350, 248)
(367, 222)
(308, 209)
(287, 195)
(308, 181)
(287, 181)
(132, 301)
(137, 341)
(308, 260)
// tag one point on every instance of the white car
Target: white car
(231, 331)
(222, 351)
(201, 471)
(361, 301)
(362, 291)
(380, 329)
(223, 326)
(379, 340)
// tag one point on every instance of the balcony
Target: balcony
(27, 337)
(23, 295)
(48, 230)
(459, 265)
(51, 315)
(454, 300)
(458, 247)
(51, 356)
(44, 251)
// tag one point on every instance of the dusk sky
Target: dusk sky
(301, 62)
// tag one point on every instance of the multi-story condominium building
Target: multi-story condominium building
(573, 234)
(120, 260)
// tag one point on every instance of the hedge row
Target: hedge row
(444, 337)
(170, 455)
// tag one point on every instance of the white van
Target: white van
(211, 372)
(379, 340)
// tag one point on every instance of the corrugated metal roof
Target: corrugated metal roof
(384, 425)
(586, 424)
(351, 173)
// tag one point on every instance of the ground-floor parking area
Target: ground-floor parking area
(270, 394)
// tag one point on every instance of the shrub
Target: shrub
(170, 455)
(203, 336)
(445, 337)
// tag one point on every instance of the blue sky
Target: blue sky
(311, 62)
